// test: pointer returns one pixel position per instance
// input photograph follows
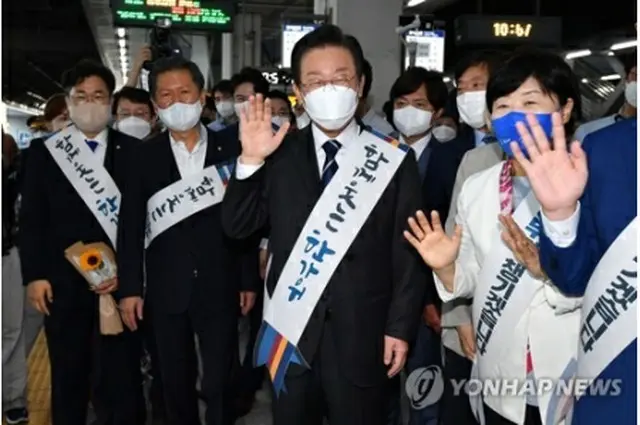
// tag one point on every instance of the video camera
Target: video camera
(162, 42)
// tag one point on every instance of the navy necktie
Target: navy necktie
(488, 139)
(92, 144)
(331, 148)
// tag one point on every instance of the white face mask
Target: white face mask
(239, 107)
(90, 117)
(471, 107)
(631, 93)
(444, 133)
(279, 121)
(331, 107)
(181, 116)
(302, 121)
(225, 108)
(134, 127)
(412, 121)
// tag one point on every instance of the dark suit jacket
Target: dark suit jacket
(607, 206)
(377, 288)
(53, 217)
(437, 186)
(192, 264)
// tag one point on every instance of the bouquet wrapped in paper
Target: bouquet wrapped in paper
(96, 263)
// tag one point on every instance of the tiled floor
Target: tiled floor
(39, 381)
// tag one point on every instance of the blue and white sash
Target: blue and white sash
(330, 230)
(186, 197)
(89, 178)
(500, 302)
(609, 307)
(608, 323)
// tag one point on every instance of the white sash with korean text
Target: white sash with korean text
(609, 307)
(505, 291)
(364, 173)
(87, 175)
(184, 198)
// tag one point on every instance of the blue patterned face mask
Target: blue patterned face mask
(506, 132)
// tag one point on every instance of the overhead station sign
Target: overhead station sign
(196, 15)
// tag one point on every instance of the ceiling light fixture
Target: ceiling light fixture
(611, 77)
(121, 32)
(578, 54)
(413, 3)
(624, 45)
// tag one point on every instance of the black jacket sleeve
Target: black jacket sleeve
(131, 229)
(437, 191)
(408, 270)
(34, 213)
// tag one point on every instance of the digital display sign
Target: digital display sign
(494, 30)
(430, 49)
(197, 15)
(291, 34)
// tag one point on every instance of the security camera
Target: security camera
(412, 26)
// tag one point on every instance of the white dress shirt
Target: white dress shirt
(419, 145)
(101, 148)
(190, 162)
(375, 121)
(348, 135)
(562, 233)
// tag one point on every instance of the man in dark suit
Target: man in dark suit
(472, 75)
(419, 98)
(589, 200)
(358, 334)
(194, 274)
(53, 217)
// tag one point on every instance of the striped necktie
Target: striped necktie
(331, 148)
(92, 144)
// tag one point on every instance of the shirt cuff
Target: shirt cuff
(244, 171)
(562, 233)
(264, 243)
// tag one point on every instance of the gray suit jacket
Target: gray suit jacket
(458, 312)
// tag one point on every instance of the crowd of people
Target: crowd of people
(472, 234)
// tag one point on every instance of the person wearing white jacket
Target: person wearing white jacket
(525, 329)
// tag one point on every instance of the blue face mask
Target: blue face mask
(506, 132)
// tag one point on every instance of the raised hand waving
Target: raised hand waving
(436, 248)
(557, 176)
(256, 131)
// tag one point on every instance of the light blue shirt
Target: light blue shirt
(521, 189)
(217, 125)
(592, 126)
(479, 136)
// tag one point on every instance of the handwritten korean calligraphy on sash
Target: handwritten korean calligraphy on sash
(511, 289)
(609, 308)
(89, 178)
(185, 198)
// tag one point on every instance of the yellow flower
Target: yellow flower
(90, 260)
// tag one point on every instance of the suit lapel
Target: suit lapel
(112, 149)
(174, 172)
(215, 151)
(423, 161)
(306, 164)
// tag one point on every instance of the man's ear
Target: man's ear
(298, 94)
(363, 79)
